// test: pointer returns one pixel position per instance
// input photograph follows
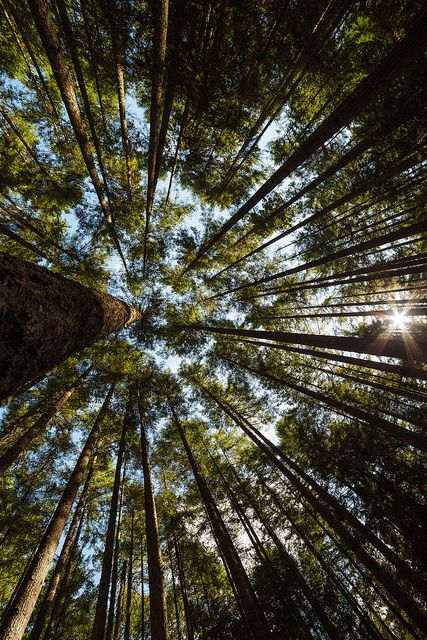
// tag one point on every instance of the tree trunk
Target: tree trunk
(181, 576)
(120, 599)
(257, 624)
(45, 318)
(120, 83)
(161, 10)
(16, 619)
(126, 634)
(52, 45)
(100, 620)
(406, 436)
(158, 611)
(115, 569)
(338, 518)
(395, 63)
(375, 345)
(9, 457)
(46, 606)
(142, 593)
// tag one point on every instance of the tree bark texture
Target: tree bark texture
(44, 318)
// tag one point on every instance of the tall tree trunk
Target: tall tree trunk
(174, 590)
(161, 11)
(100, 620)
(115, 569)
(158, 611)
(44, 318)
(400, 58)
(120, 600)
(406, 436)
(16, 619)
(142, 592)
(126, 634)
(9, 457)
(257, 624)
(71, 44)
(46, 606)
(120, 83)
(52, 45)
(375, 345)
(182, 582)
(339, 518)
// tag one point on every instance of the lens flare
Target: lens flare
(399, 321)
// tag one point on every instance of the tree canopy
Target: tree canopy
(213, 309)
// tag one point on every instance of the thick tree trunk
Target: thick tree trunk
(158, 611)
(39, 426)
(44, 318)
(16, 619)
(253, 613)
(100, 621)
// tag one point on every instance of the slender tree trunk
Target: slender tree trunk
(120, 83)
(158, 611)
(71, 44)
(46, 606)
(406, 436)
(115, 569)
(44, 318)
(254, 616)
(385, 367)
(120, 600)
(175, 595)
(393, 347)
(51, 43)
(142, 593)
(16, 619)
(182, 582)
(338, 518)
(100, 621)
(126, 635)
(40, 425)
(161, 11)
(400, 58)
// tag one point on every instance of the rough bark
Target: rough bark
(16, 619)
(158, 611)
(44, 318)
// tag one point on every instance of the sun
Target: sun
(399, 320)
